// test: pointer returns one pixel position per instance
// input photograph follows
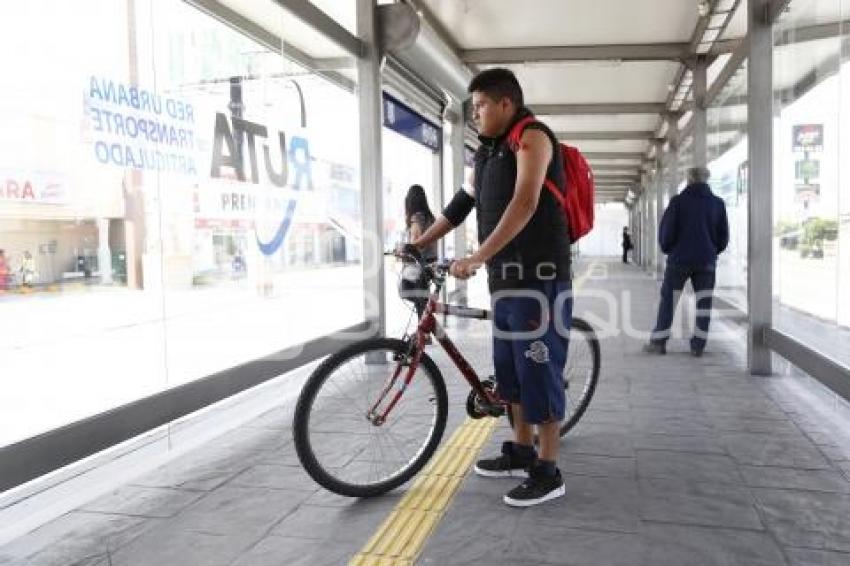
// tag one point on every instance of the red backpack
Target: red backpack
(577, 203)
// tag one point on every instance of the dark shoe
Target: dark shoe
(538, 488)
(696, 351)
(655, 348)
(508, 465)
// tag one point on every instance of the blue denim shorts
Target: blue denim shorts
(529, 369)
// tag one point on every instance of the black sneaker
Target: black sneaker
(508, 465)
(538, 488)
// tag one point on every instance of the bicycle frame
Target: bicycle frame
(428, 325)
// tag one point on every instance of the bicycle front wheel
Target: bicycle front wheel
(336, 436)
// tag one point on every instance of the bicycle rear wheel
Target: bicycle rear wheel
(338, 444)
(580, 374)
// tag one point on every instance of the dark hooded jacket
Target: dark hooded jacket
(694, 228)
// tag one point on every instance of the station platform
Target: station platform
(679, 460)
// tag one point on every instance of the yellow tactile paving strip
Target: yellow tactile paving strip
(401, 537)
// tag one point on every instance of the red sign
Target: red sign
(38, 189)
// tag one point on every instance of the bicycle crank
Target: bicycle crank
(478, 407)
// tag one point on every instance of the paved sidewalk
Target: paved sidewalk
(678, 461)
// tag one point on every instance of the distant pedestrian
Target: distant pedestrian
(627, 244)
(417, 219)
(28, 273)
(693, 231)
(4, 271)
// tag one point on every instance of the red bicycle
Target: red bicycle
(371, 416)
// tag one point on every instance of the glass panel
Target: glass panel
(176, 199)
(728, 163)
(809, 202)
(411, 156)
(256, 232)
(81, 335)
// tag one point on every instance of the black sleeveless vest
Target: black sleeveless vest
(541, 251)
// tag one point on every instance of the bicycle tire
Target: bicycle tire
(302, 419)
(580, 327)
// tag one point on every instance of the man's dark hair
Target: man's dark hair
(498, 83)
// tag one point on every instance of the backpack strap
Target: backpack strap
(514, 141)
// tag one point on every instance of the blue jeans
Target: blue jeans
(675, 277)
(530, 371)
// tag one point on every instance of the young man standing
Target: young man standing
(525, 245)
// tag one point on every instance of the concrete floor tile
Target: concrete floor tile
(144, 501)
(697, 503)
(615, 444)
(164, 546)
(792, 478)
(592, 465)
(275, 476)
(806, 557)
(201, 470)
(694, 467)
(555, 544)
(727, 423)
(782, 451)
(700, 546)
(75, 537)
(468, 548)
(285, 551)
(356, 522)
(238, 510)
(807, 518)
(607, 504)
(700, 444)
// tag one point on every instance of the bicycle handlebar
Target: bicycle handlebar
(435, 268)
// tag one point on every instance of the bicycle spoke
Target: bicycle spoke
(339, 420)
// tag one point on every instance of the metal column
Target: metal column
(646, 227)
(760, 203)
(659, 208)
(700, 119)
(454, 122)
(371, 172)
(673, 140)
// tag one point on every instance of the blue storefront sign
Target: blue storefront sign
(402, 119)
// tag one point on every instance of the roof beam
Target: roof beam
(722, 46)
(774, 9)
(264, 37)
(615, 108)
(811, 33)
(635, 156)
(624, 52)
(598, 167)
(729, 69)
(623, 135)
(615, 179)
(324, 24)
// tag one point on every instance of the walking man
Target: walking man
(693, 231)
(525, 245)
